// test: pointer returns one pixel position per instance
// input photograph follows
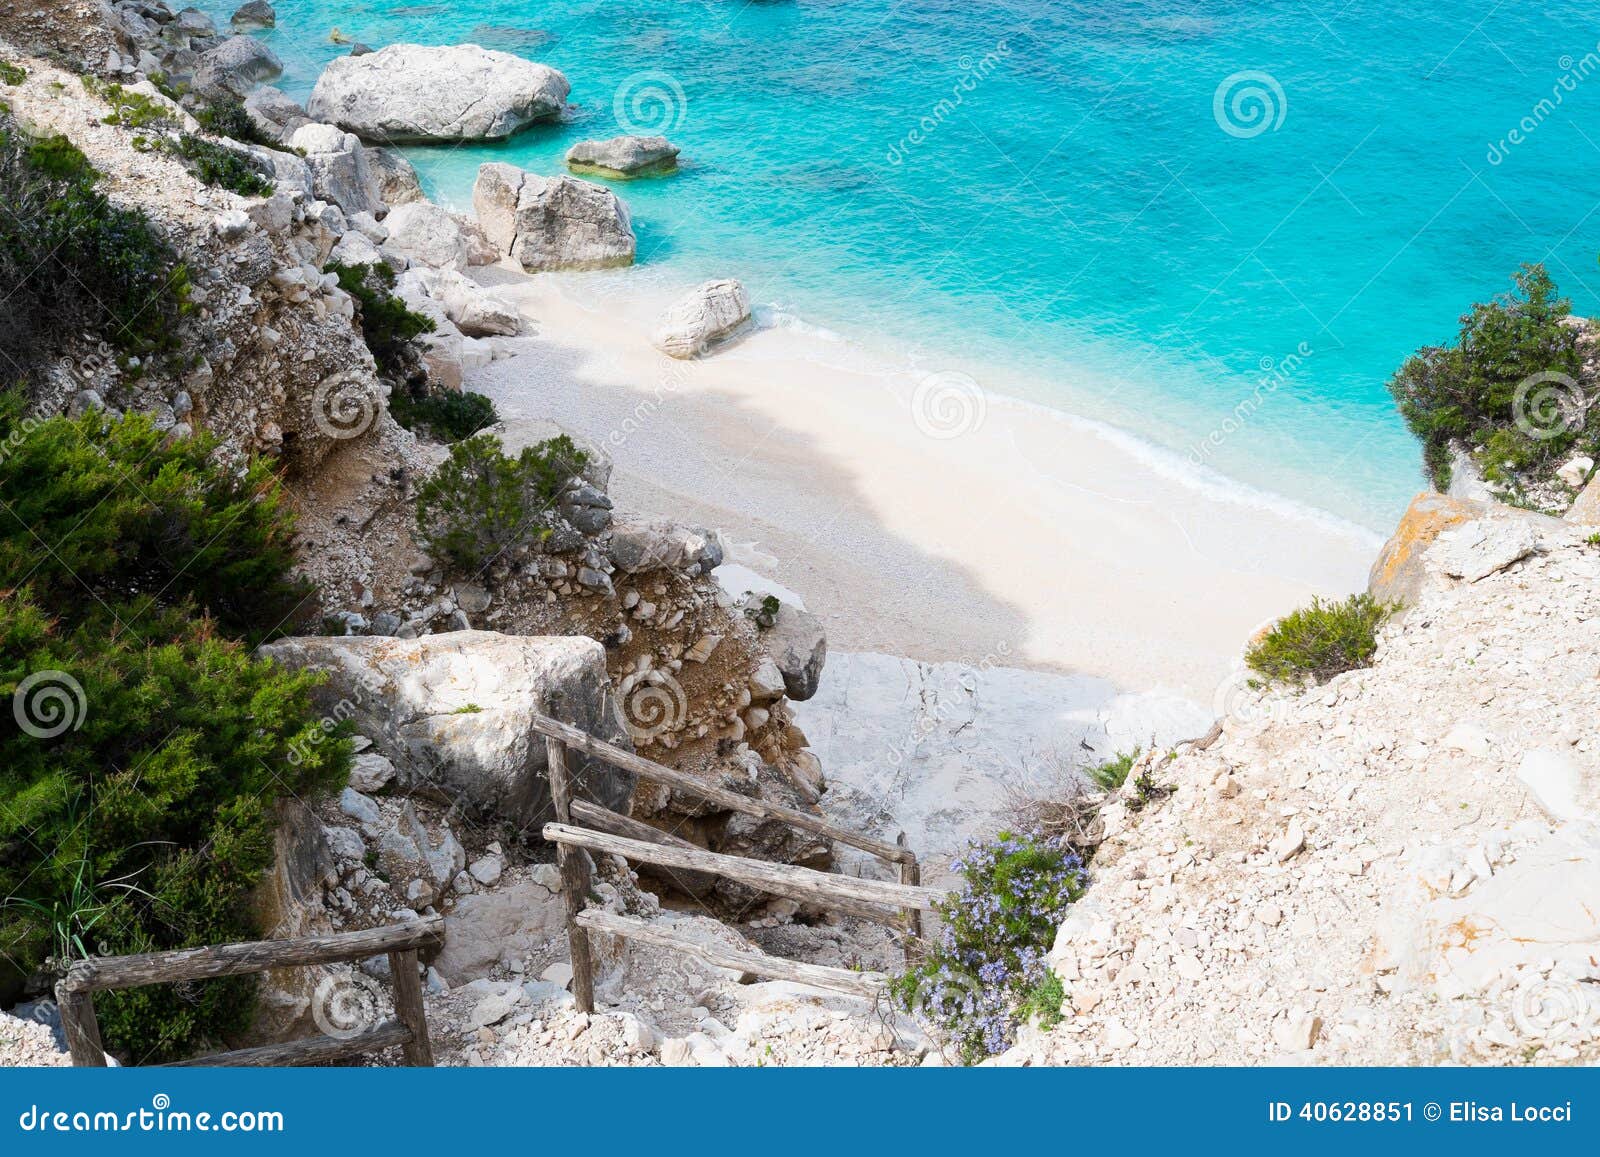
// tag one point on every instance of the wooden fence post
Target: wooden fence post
(83, 1031)
(574, 878)
(911, 875)
(408, 1010)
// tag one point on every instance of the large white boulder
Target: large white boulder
(451, 712)
(338, 165)
(234, 67)
(416, 93)
(427, 235)
(701, 318)
(472, 309)
(623, 157)
(549, 223)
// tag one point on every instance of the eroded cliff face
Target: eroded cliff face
(1397, 867)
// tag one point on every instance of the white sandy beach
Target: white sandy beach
(937, 525)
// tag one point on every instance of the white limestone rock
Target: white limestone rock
(551, 223)
(411, 93)
(624, 157)
(701, 318)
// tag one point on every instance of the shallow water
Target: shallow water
(1069, 196)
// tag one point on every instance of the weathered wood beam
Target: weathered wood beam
(408, 1008)
(808, 884)
(574, 879)
(608, 821)
(316, 1050)
(733, 801)
(867, 984)
(254, 956)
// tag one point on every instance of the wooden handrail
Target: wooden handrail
(733, 801)
(604, 820)
(75, 992)
(820, 886)
(867, 984)
(97, 974)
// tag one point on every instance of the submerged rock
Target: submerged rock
(415, 93)
(624, 157)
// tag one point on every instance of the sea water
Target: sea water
(1217, 226)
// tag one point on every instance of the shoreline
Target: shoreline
(938, 523)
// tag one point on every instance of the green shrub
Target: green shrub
(145, 750)
(12, 73)
(1468, 393)
(130, 110)
(75, 264)
(1113, 773)
(390, 329)
(482, 503)
(449, 415)
(221, 166)
(146, 820)
(127, 513)
(226, 118)
(1319, 641)
(987, 973)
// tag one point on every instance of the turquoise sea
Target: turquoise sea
(1143, 213)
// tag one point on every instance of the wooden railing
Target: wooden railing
(583, 825)
(400, 942)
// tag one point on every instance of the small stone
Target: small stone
(370, 772)
(1118, 1036)
(558, 973)
(1269, 914)
(1288, 845)
(702, 649)
(359, 808)
(488, 870)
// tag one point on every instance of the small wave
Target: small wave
(777, 317)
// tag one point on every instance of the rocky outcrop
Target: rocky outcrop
(289, 902)
(552, 223)
(450, 711)
(493, 929)
(624, 157)
(419, 866)
(427, 234)
(1479, 537)
(701, 318)
(396, 177)
(409, 93)
(274, 113)
(797, 644)
(1394, 867)
(338, 165)
(471, 309)
(253, 14)
(234, 67)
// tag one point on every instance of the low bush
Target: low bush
(449, 415)
(147, 820)
(221, 166)
(1113, 773)
(12, 73)
(390, 329)
(226, 118)
(1507, 391)
(482, 503)
(145, 750)
(986, 975)
(1319, 641)
(129, 513)
(74, 264)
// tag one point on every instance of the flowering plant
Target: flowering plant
(986, 974)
